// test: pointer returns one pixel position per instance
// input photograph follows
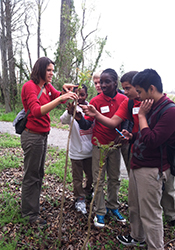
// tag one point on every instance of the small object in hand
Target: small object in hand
(120, 132)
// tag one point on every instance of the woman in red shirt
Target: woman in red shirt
(34, 137)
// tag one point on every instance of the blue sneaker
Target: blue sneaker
(115, 213)
(99, 221)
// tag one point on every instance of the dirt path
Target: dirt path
(57, 137)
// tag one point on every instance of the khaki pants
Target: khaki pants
(168, 198)
(145, 210)
(112, 167)
(34, 146)
(78, 166)
(124, 152)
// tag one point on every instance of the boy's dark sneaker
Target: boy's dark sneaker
(39, 221)
(171, 223)
(129, 241)
(116, 215)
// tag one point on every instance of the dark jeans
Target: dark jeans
(34, 146)
(78, 166)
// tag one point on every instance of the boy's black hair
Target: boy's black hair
(146, 78)
(83, 87)
(127, 77)
(112, 73)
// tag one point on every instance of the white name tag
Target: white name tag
(135, 111)
(104, 109)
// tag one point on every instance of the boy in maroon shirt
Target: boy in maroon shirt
(146, 180)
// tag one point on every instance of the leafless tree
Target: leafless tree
(5, 78)
(41, 6)
(11, 59)
(73, 34)
(65, 58)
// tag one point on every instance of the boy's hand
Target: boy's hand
(70, 108)
(128, 136)
(145, 107)
(78, 115)
(89, 110)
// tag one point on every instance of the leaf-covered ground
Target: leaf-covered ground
(74, 228)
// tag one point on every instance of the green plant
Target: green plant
(9, 117)
(104, 149)
(124, 190)
(56, 166)
(10, 209)
(7, 140)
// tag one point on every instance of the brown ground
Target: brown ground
(74, 228)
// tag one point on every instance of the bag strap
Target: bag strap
(169, 105)
(38, 97)
(130, 106)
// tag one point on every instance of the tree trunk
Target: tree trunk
(38, 29)
(64, 67)
(11, 60)
(5, 80)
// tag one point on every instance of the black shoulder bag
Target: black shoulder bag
(21, 119)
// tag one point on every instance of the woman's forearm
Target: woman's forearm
(51, 105)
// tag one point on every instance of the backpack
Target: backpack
(170, 148)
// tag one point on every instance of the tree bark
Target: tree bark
(64, 57)
(11, 60)
(5, 79)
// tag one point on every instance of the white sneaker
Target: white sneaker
(80, 205)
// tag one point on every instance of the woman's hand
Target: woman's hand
(67, 87)
(69, 95)
(89, 110)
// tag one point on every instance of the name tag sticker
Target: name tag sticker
(135, 111)
(104, 109)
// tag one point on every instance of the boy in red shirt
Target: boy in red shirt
(106, 103)
(122, 113)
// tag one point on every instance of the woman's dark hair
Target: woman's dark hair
(146, 78)
(39, 69)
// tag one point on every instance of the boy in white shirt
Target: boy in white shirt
(80, 153)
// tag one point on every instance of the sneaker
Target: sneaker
(99, 221)
(171, 223)
(129, 241)
(115, 213)
(80, 205)
(39, 221)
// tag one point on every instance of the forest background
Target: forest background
(80, 49)
(20, 21)
(82, 36)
